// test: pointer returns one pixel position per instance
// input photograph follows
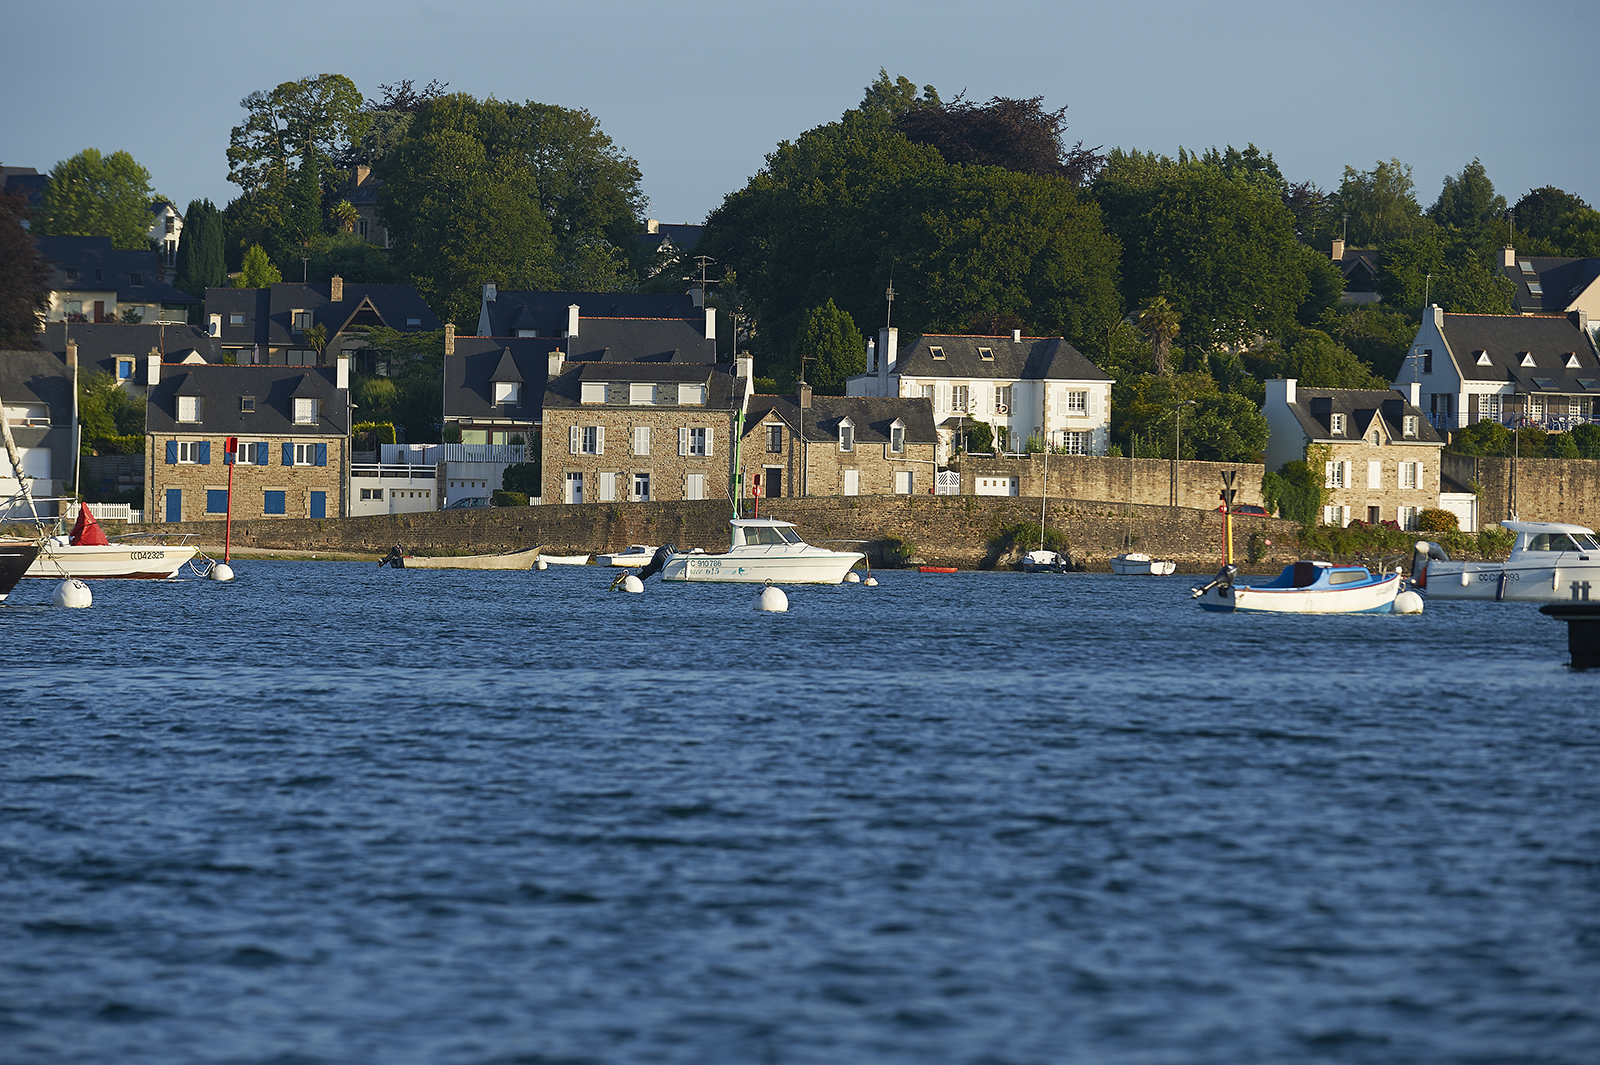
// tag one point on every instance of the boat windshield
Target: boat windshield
(1586, 542)
(790, 536)
(1560, 542)
(759, 535)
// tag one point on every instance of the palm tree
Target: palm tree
(1158, 321)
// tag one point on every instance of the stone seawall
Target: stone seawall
(1537, 489)
(939, 530)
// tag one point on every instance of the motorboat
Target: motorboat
(633, 555)
(1549, 562)
(86, 554)
(1135, 564)
(1043, 561)
(15, 558)
(1304, 588)
(762, 550)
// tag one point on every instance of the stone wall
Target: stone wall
(1141, 481)
(939, 530)
(1540, 490)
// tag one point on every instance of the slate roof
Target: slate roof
(274, 389)
(29, 377)
(1365, 259)
(478, 362)
(99, 345)
(102, 268)
(642, 340)
(510, 311)
(871, 417)
(1313, 408)
(1034, 358)
(25, 179)
(1560, 282)
(267, 311)
(722, 392)
(1550, 339)
(682, 236)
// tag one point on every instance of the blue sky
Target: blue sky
(699, 92)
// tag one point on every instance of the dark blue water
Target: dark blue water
(334, 814)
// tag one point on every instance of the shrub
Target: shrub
(1294, 492)
(1432, 520)
(375, 433)
(521, 478)
(502, 498)
(1494, 540)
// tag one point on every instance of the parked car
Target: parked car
(469, 503)
(1247, 508)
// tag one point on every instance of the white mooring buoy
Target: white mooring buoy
(1408, 602)
(220, 571)
(541, 565)
(632, 583)
(73, 594)
(852, 577)
(772, 600)
(870, 582)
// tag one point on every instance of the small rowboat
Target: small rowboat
(508, 560)
(1136, 564)
(565, 560)
(936, 569)
(635, 555)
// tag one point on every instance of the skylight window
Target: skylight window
(1527, 267)
(935, 351)
(1535, 288)
(986, 354)
(1543, 382)
(1589, 383)
(1527, 358)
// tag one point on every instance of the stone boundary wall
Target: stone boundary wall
(938, 530)
(1145, 481)
(1546, 489)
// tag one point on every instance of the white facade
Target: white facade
(166, 226)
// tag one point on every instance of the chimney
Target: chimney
(72, 353)
(872, 357)
(336, 289)
(341, 373)
(1337, 254)
(711, 323)
(745, 366)
(362, 173)
(152, 368)
(488, 292)
(1508, 255)
(652, 226)
(449, 338)
(1580, 318)
(558, 362)
(572, 319)
(1414, 393)
(1016, 336)
(803, 394)
(1438, 318)
(888, 349)
(698, 295)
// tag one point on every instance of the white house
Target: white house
(1021, 386)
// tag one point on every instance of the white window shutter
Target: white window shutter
(1419, 475)
(574, 440)
(708, 442)
(1327, 475)
(600, 440)
(1349, 481)
(1374, 473)
(683, 439)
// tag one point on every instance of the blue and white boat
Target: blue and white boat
(1304, 588)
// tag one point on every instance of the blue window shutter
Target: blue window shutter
(288, 454)
(261, 453)
(322, 454)
(205, 452)
(319, 504)
(227, 458)
(172, 452)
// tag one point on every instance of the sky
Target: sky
(699, 92)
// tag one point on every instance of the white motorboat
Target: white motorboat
(1304, 588)
(763, 550)
(1550, 561)
(634, 555)
(1043, 561)
(131, 558)
(1135, 564)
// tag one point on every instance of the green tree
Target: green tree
(1318, 361)
(299, 121)
(257, 270)
(1481, 438)
(91, 195)
(1324, 286)
(457, 220)
(1294, 492)
(346, 255)
(1380, 336)
(201, 263)
(1158, 321)
(304, 207)
(1226, 428)
(889, 99)
(832, 344)
(106, 411)
(24, 276)
(1381, 204)
(596, 265)
(1223, 253)
(1468, 203)
(1442, 267)
(1538, 211)
(1577, 233)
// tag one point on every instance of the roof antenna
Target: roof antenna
(888, 294)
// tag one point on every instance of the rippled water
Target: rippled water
(334, 814)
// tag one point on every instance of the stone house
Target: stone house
(1378, 455)
(1541, 370)
(640, 431)
(836, 445)
(362, 194)
(1021, 386)
(268, 326)
(92, 282)
(293, 429)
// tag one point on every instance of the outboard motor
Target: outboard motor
(395, 558)
(1424, 551)
(657, 560)
(1223, 580)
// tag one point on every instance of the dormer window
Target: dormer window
(897, 439)
(692, 395)
(507, 391)
(1336, 424)
(190, 408)
(1572, 360)
(593, 392)
(124, 369)
(1409, 425)
(136, 280)
(1483, 358)
(305, 411)
(936, 351)
(300, 321)
(986, 354)
(1376, 440)
(1527, 358)
(847, 435)
(71, 272)
(641, 395)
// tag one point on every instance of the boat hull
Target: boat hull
(510, 560)
(1525, 582)
(820, 567)
(631, 559)
(564, 560)
(15, 558)
(1374, 598)
(111, 561)
(1142, 566)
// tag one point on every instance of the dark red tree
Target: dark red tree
(1015, 135)
(24, 276)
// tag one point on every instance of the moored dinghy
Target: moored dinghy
(1136, 564)
(1304, 588)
